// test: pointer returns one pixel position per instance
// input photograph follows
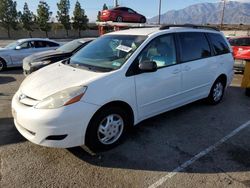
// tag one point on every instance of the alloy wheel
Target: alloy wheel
(218, 91)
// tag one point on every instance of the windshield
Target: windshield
(109, 52)
(12, 45)
(70, 46)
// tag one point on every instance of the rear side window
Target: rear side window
(219, 44)
(193, 46)
(52, 44)
(240, 42)
(40, 44)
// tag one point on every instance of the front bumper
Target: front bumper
(68, 123)
(28, 69)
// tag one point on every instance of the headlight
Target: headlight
(62, 98)
(40, 63)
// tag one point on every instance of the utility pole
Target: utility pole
(159, 19)
(223, 12)
(115, 3)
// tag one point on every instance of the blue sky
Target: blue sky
(149, 8)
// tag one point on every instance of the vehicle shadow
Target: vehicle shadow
(164, 142)
(8, 132)
(13, 70)
(6, 79)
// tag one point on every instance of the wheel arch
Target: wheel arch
(4, 62)
(120, 104)
(223, 78)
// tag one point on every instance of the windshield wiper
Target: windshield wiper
(91, 67)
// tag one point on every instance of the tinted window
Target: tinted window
(71, 46)
(40, 44)
(124, 9)
(240, 42)
(219, 44)
(52, 44)
(131, 11)
(193, 46)
(160, 50)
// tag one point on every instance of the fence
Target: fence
(61, 33)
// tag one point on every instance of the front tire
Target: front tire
(143, 20)
(247, 92)
(119, 19)
(106, 129)
(217, 92)
(2, 65)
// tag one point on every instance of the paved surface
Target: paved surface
(151, 151)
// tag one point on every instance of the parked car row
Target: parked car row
(35, 53)
(42, 59)
(13, 54)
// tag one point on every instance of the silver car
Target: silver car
(13, 54)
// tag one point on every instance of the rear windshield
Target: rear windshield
(70, 46)
(240, 42)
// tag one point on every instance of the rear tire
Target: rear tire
(217, 92)
(247, 92)
(106, 128)
(143, 20)
(119, 19)
(2, 65)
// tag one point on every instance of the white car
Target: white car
(13, 54)
(119, 80)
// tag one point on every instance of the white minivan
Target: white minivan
(119, 80)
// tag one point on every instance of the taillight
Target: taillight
(104, 13)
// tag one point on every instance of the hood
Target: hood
(4, 49)
(55, 78)
(43, 55)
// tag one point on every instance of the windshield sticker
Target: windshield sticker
(124, 48)
(117, 64)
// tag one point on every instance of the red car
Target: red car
(122, 14)
(241, 51)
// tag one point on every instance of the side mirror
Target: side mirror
(18, 47)
(148, 66)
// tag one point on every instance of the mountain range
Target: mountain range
(204, 13)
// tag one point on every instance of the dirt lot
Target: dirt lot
(197, 145)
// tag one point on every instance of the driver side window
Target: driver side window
(161, 50)
(24, 45)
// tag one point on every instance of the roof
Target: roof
(31, 39)
(152, 30)
(137, 31)
(119, 7)
(239, 37)
(85, 39)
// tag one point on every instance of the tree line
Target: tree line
(10, 18)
